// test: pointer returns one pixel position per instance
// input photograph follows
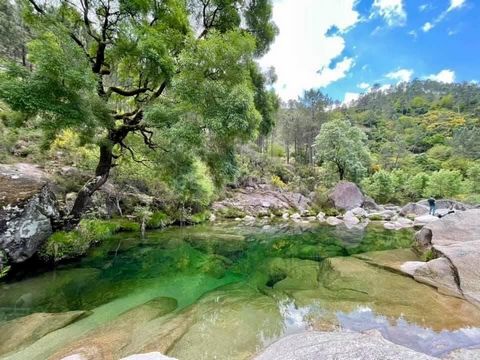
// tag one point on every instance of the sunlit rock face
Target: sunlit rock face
(27, 209)
(455, 241)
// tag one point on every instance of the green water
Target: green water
(221, 254)
(238, 288)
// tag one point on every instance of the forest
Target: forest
(167, 98)
(162, 198)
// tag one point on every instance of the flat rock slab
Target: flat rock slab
(337, 346)
(391, 260)
(26, 330)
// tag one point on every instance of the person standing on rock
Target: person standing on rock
(431, 203)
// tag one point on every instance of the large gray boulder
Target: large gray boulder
(27, 210)
(455, 239)
(346, 196)
(414, 209)
(341, 345)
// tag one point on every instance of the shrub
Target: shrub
(380, 186)
(200, 217)
(444, 183)
(417, 184)
(473, 175)
(66, 245)
(158, 220)
(277, 182)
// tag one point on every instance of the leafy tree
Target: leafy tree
(344, 146)
(166, 72)
(466, 141)
(473, 175)
(444, 183)
(417, 184)
(380, 186)
(13, 34)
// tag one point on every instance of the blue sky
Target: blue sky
(345, 46)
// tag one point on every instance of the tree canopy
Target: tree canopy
(169, 72)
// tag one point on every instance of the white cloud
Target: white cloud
(445, 76)
(401, 75)
(424, 7)
(350, 97)
(302, 53)
(456, 4)
(363, 86)
(413, 33)
(427, 26)
(328, 75)
(392, 11)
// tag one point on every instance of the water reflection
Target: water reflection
(410, 335)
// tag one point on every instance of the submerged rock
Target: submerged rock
(21, 332)
(344, 283)
(346, 196)
(27, 210)
(109, 340)
(341, 345)
(230, 323)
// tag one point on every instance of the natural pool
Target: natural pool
(225, 291)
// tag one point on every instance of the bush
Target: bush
(417, 184)
(473, 176)
(277, 182)
(380, 186)
(444, 183)
(70, 244)
(158, 220)
(200, 217)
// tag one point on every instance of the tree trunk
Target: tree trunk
(341, 171)
(102, 172)
(287, 151)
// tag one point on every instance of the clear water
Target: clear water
(229, 273)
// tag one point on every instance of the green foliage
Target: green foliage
(417, 184)
(380, 186)
(428, 255)
(444, 183)
(63, 245)
(231, 213)
(473, 175)
(277, 182)
(199, 217)
(343, 145)
(158, 220)
(175, 75)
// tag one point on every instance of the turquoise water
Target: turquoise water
(238, 288)
(228, 252)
